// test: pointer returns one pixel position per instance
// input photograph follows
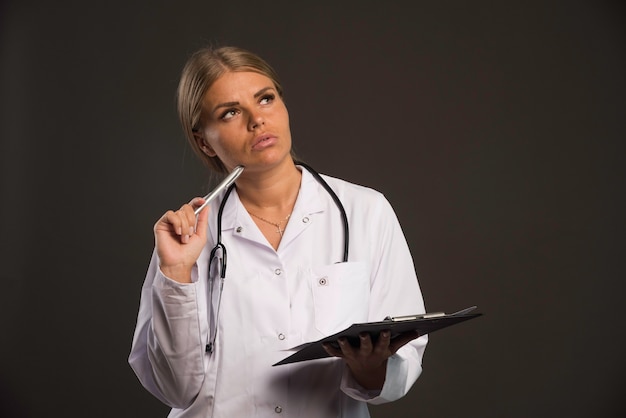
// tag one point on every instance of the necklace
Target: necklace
(276, 224)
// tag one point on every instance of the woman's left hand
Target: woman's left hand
(368, 361)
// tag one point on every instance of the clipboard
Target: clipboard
(422, 323)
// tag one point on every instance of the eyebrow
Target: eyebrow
(230, 104)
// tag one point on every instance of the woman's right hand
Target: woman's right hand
(179, 240)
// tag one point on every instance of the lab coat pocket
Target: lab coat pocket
(340, 295)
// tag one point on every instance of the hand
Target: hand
(179, 239)
(368, 361)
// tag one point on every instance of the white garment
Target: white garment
(273, 301)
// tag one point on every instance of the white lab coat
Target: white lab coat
(274, 301)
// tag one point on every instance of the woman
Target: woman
(208, 332)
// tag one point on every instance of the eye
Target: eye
(228, 114)
(267, 98)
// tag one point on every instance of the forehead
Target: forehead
(233, 86)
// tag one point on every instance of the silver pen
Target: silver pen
(230, 179)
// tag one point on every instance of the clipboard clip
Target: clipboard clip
(428, 315)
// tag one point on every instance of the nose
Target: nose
(256, 121)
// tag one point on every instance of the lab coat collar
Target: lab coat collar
(236, 221)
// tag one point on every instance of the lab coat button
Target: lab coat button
(278, 409)
(305, 219)
(278, 272)
(239, 229)
(323, 281)
(281, 336)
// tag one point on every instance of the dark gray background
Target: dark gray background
(496, 129)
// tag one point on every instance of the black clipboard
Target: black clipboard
(422, 323)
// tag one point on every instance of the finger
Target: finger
(366, 343)
(196, 202)
(185, 229)
(402, 340)
(188, 222)
(332, 350)
(188, 212)
(170, 222)
(382, 344)
(346, 349)
(202, 222)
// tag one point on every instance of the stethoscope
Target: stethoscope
(219, 246)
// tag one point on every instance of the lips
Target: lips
(263, 141)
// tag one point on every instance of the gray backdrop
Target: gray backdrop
(496, 129)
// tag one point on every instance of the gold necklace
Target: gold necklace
(276, 224)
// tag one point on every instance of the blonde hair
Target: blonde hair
(202, 69)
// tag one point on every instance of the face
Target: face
(244, 121)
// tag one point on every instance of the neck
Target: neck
(272, 192)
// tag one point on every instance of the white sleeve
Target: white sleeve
(167, 353)
(395, 291)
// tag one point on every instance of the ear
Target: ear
(203, 144)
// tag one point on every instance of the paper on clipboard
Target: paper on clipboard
(422, 323)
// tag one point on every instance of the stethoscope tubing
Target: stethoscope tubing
(220, 246)
(320, 180)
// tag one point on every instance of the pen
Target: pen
(230, 179)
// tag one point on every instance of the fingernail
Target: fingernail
(185, 239)
(191, 230)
